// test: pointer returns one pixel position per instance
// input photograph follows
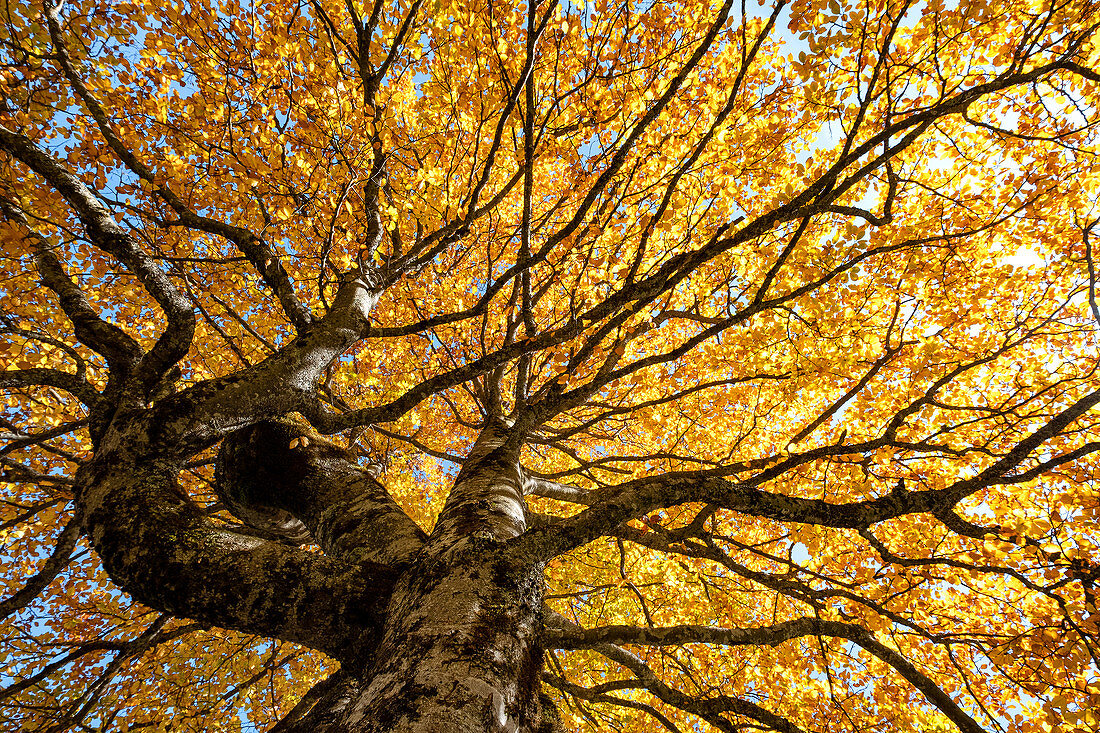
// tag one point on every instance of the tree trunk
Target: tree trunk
(459, 645)
(460, 650)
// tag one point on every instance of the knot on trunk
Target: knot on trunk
(256, 465)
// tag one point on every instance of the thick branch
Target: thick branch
(575, 638)
(109, 236)
(54, 564)
(121, 350)
(71, 383)
(279, 466)
(161, 549)
(534, 485)
(487, 496)
(201, 415)
(639, 497)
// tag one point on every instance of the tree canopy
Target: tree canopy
(780, 319)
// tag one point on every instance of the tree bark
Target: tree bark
(282, 477)
(458, 648)
(459, 651)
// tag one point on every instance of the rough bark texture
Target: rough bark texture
(280, 476)
(435, 633)
(458, 649)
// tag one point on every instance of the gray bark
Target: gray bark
(459, 648)
(436, 632)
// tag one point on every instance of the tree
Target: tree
(483, 366)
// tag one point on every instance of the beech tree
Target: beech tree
(465, 366)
